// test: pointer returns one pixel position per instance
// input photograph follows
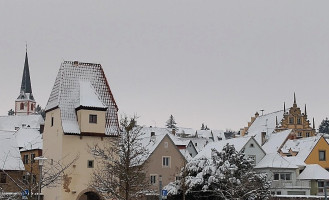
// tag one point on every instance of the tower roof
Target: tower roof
(26, 81)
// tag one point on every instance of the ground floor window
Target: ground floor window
(153, 179)
(3, 178)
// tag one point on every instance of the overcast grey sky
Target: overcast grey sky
(216, 62)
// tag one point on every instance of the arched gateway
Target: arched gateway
(89, 195)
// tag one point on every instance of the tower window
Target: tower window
(90, 164)
(93, 119)
(299, 121)
(22, 106)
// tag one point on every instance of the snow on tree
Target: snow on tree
(324, 126)
(202, 126)
(122, 172)
(171, 123)
(227, 175)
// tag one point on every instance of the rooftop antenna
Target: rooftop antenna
(262, 112)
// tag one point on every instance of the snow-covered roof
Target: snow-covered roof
(13, 122)
(264, 123)
(303, 146)
(89, 97)
(238, 143)
(275, 141)
(163, 131)
(70, 84)
(275, 160)
(28, 138)
(215, 135)
(314, 172)
(10, 157)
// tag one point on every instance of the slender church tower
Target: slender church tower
(25, 103)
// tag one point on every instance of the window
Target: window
(252, 159)
(153, 179)
(166, 145)
(291, 120)
(276, 176)
(196, 144)
(282, 176)
(31, 106)
(299, 121)
(26, 159)
(90, 164)
(307, 134)
(32, 158)
(321, 186)
(3, 178)
(93, 119)
(165, 161)
(22, 106)
(52, 121)
(278, 192)
(322, 155)
(299, 134)
(252, 145)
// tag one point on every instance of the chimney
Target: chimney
(173, 131)
(263, 137)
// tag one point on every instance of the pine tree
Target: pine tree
(202, 126)
(11, 112)
(227, 175)
(171, 124)
(40, 111)
(324, 126)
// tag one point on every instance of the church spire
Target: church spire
(294, 98)
(305, 110)
(26, 81)
(313, 123)
(284, 107)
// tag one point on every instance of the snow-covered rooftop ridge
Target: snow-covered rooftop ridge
(150, 144)
(275, 141)
(10, 157)
(238, 143)
(314, 172)
(13, 122)
(303, 146)
(275, 160)
(28, 138)
(66, 95)
(88, 96)
(265, 123)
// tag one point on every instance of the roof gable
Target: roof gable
(10, 158)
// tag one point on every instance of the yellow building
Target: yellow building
(296, 120)
(81, 112)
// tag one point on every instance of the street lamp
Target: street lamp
(41, 160)
(160, 187)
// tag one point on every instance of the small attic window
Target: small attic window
(152, 133)
(93, 119)
(252, 145)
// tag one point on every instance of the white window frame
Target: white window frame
(153, 179)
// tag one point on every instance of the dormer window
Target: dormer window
(93, 119)
(299, 121)
(32, 106)
(291, 120)
(22, 106)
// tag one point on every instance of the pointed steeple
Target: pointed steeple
(305, 110)
(26, 81)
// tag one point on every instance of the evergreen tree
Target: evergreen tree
(227, 175)
(11, 112)
(171, 124)
(202, 126)
(324, 126)
(40, 111)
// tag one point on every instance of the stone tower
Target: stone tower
(25, 103)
